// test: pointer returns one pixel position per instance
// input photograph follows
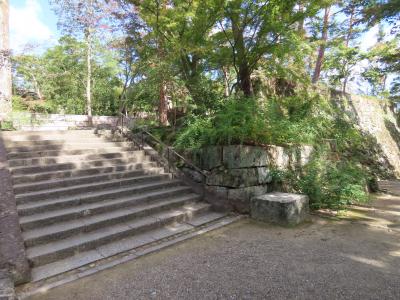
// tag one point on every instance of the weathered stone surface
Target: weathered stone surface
(240, 156)
(217, 196)
(208, 158)
(6, 286)
(240, 177)
(239, 199)
(193, 174)
(280, 208)
(12, 250)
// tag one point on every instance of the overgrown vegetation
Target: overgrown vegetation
(212, 72)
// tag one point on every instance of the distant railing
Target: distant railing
(125, 121)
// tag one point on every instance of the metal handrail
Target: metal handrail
(169, 148)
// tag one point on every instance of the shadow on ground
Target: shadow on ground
(326, 259)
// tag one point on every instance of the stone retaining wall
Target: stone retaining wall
(237, 173)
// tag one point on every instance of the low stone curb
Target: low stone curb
(6, 286)
(12, 250)
(40, 287)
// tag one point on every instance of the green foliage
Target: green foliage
(332, 184)
(18, 104)
(279, 121)
(198, 133)
(58, 76)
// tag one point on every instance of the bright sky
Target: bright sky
(31, 22)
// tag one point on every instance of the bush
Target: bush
(278, 121)
(329, 182)
(333, 185)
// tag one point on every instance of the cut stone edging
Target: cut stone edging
(280, 208)
(12, 250)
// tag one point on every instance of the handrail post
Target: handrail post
(203, 185)
(168, 160)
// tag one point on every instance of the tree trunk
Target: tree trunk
(5, 64)
(347, 41)
(245, 80)
(163, 98)
(351, 23)
(89, 78)
(163, 105)
(321, 51)
(345, 84)
(244, 72)
(89, 41)
(36, 87)
(300, 26)
(226, 82)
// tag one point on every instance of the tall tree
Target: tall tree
(257, 29)
(82, 19)
(322, 46)
(5, 64)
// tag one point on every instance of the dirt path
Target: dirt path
(355, 256)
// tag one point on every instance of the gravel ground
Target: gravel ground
(342, 259)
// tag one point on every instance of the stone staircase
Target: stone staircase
(84, 197)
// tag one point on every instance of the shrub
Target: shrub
(329, 182)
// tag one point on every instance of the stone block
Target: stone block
(240, 156)
(280, 208)
(217, 196)
(239, 199)
(209, 158)
(240, 177)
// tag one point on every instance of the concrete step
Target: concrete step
(59, 183)
(53, 175)
(71, 145)
(86, 198)
(54, 193)
(50, 153)
(46, 218)
(43, 161)
(84, 258)
(75, 165)
(66, 229)
(48, 253)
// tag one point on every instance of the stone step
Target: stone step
(31, 135)
(75, 165)
(54, 193)
(58, 183)
(71, 145)
(43, 161)
(89, 223)
(50, 153)
(86, 198)
(63, 141)
(85, 258)
(65, 214)
(48, 253)
(38, 177)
